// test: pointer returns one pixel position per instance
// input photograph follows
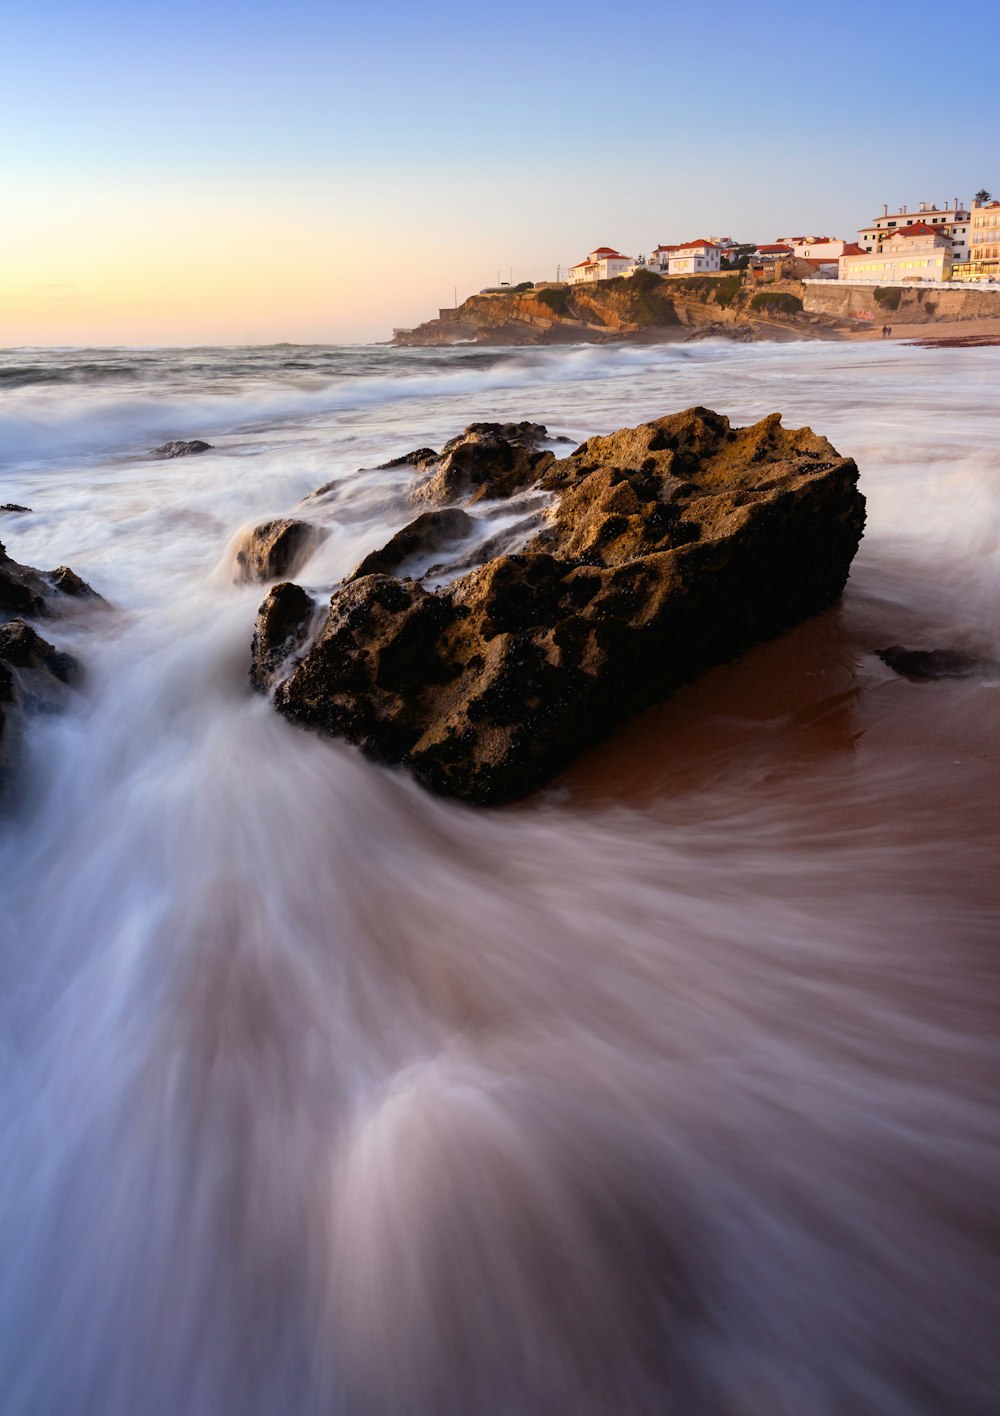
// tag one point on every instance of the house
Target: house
(912, 254)
(775, 252)
(953, 219)
(694, 258)
(817, 248)
(604, 263)
(984, 243)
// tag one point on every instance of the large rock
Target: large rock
(671, 548)
(276, 549)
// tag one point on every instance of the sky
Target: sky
(221, 172)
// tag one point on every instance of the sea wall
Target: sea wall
(905, 304)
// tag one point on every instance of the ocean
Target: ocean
(673, 1089)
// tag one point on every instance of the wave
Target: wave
(40, 424)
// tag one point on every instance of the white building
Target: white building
(693, 258)
(954, 220)
(604, 263)
(817, 248)
(911, 255)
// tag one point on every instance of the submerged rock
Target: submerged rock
(426, 533)
(672, 547)
(276, 549)
(934, 663)
(179, 448)
(13, 506)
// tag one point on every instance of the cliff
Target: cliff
(644, 307)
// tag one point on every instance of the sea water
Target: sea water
(673, 1089)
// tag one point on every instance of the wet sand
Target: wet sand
(843, 747)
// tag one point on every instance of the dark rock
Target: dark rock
(179, 448)
(24, 648)
(486, 460)
(673, 547)
(26, 591)
(276, 549)
(420, 457)
(426, 533)
(67, 582)
(13, 506)
(33, 678)
(22, 589)
(921, 664)
(281, 628)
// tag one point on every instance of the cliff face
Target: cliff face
(642, 307)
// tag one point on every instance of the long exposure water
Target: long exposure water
(672, 1090)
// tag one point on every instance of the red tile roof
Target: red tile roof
(920, 228)
(853, 249)
(770, 250)
(609, 251)
(690, 245)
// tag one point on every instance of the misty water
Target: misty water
(674, 1089)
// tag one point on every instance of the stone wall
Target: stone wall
(915, 306)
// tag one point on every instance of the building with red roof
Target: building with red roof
(603, 263)
(913, 254)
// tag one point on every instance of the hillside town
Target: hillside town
(933, 244)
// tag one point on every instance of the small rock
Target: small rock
(24, 648)
(22, 589)
(179, 448)
(428, 532)
(487, 460)
(420, 457)
(13, 506)
(924, 664)
(33, 677)
(282, 624)
(69, 583)
(276, 549)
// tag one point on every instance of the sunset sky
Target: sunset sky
(223, 172)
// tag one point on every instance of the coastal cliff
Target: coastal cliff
(641, 308)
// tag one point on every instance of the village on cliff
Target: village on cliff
(936, 244)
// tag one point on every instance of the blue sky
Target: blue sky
(392, 152)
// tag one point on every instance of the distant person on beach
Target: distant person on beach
(885, 331)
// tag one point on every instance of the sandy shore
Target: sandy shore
(935, 330)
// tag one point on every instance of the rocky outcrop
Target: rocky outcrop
(276, 549)
(670, 548)
(180, 448)
(34, 674)
(427, 533)
(13, 507)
